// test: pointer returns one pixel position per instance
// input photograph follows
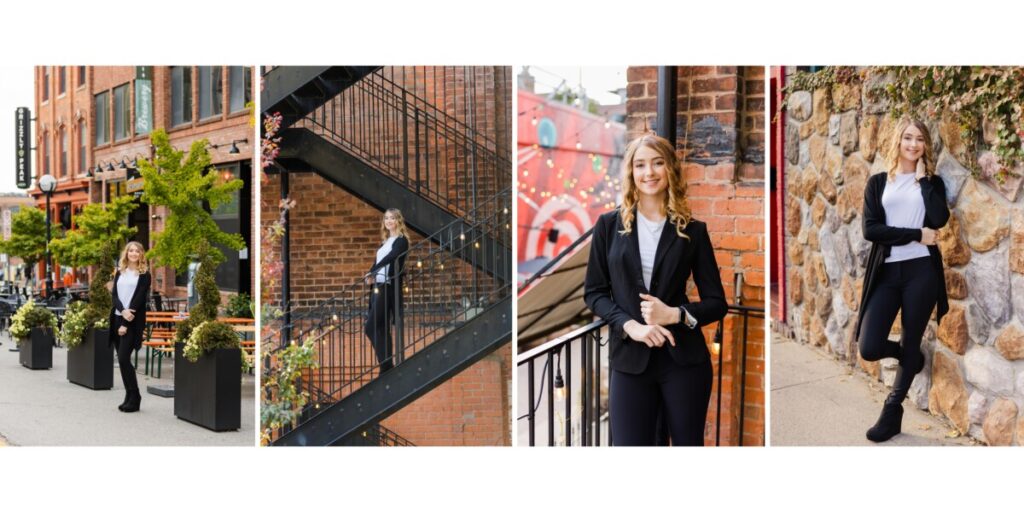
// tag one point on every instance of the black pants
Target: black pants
(681, 393)
(378, 324)
(125, 347)
(910, 287)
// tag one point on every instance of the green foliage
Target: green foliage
(283, 401)
(184, 186)
(100, 231)
(209, 336)
(101, 301)
(97, 228)
(973, 95)
(239, 306)
(824, 78)
(28, 236)
(74, 325)
(28, 317)
(209, 295)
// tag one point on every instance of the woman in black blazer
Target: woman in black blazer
(641, 256)
(902, 210)
(385, 278)
(130, 292)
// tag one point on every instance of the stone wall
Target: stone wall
(834, 139)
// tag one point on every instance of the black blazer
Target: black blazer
(398, 250)
(137, 327)
(615, 280)
(883, 237)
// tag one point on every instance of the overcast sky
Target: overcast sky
(597, 80)
(15, 91)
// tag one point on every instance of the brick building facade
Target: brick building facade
(334, 236)
(721, 139)
(104, 115)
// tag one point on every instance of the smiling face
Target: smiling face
(134, 254)
(390, 221)
(650, 172)
(912, 144)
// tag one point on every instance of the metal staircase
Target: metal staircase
(389, 147)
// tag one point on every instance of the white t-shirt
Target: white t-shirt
(126, 285)
(385, 248)
(648, 234)
(904, 208)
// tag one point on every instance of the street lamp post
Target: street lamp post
(47, 184)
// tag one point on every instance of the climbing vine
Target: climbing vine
(974, 96)
(986, 102)
(283, 400)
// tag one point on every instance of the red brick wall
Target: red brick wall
(720, 136)
(334, 240)
(223, 129)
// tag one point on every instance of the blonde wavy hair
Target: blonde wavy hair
(893, 156)
(399, 220)
(676, 206)
(122, 263)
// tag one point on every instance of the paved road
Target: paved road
(817, 401)
(41, 408)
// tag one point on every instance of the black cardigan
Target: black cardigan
(137, 327)
(398, 250)
(615, 280)
(883, 237)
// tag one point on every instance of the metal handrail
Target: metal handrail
(593, 427)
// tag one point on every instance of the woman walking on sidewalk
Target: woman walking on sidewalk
(641, 256)
(903, 208)
(128, 317)
(385, 278)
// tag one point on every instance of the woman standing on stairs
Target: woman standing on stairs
(385, 277)
(128, 317)
(902, 209)
(641, 256)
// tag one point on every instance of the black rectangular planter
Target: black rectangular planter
(91, 364)
(208, 392)
(36, 353)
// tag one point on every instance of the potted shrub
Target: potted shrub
(207, 356)
(34, 327)
(100, 231)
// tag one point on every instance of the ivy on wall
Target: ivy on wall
(986, 102)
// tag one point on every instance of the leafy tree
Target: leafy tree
(28, 236)
(184, 185)
(100, 231)
(189, 191)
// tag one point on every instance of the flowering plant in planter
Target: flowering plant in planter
(28, 317)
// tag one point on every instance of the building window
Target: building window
(211, 91)
(46, 152)
(82, 129)
(62, 80)
(240, 83)
(63, 152)
(81, 76)
(121, 112)
(102, 124)
(228, 217)
(46, 84)
(181, 95)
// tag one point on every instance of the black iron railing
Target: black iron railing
(442, 287)
(379, 435)
(409, 139)
(565, 384)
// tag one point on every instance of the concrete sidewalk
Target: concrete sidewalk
(41, 408)
(817, 401)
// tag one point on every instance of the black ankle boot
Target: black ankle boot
(889, 422)
(134, 400)
(127, 398)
